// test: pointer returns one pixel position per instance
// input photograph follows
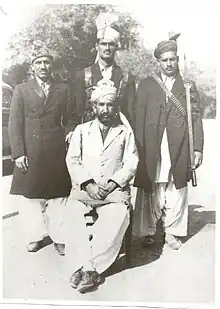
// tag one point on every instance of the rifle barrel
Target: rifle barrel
(190, 130)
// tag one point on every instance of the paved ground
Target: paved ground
(157, 275)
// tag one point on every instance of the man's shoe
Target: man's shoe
(76, 278)
(60, 248)
(173, 242)
(90, 279)
(34, 246)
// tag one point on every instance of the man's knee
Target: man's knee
(75, 209)
(114, 212)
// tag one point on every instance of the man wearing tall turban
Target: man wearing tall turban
(108, 42)
(102, 159)
(162, 133)
(42, 112)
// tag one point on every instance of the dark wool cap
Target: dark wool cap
(39, 49)
(165, 46)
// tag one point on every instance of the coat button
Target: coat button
(36, 136)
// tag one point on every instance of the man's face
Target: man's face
(106, 49)
(105, 111)
(42, 67)
(168, 63)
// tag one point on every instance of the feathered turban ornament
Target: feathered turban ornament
(105, 31)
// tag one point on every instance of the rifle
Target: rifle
(187, 85)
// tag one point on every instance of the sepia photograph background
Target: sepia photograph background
(157, 276)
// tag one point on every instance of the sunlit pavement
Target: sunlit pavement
(186, 275)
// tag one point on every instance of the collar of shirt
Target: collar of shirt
(106, 71)
(46, 85)
(101, 126)
(168, 81)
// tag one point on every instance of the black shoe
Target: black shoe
(60, 248)
(90, 279)
(76, 278)
(34, 246)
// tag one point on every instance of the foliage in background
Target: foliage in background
(69, 32)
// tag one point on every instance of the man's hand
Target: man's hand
(198, 157)
(22, 163)
(95, 191)
(68, 137)
(111, 186)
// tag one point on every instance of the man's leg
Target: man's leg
(55, 222)
(32, 222)
(108, 232)
(176, 214)
(145, 214)
(78, 246)
(150, 210)
(78, 259)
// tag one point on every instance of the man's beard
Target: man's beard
(107, 120)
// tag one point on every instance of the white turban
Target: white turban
(104, 91)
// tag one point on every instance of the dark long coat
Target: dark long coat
(37, 127)
(128, 91)
(153, 114)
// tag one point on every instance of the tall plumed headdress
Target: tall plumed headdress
(105, 23)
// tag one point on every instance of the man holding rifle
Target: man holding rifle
(164, 127)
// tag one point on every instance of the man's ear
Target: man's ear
(158, 61)
(32, 68)
(96, 46)
(94, 107)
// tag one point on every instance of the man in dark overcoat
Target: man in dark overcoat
(108, 40)
(42, 112)
(162, 134)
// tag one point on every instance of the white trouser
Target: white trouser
(41, 217)
(165, 202)
(108, 232)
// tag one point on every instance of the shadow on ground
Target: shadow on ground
(197, 220)
(142, 256)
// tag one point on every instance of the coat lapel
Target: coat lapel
(112, 134)
(116, 74)
(178, 86)
(36, 93)
(37, 89)
(95, 134)
(94, 131)
(52, 94)
(96, 73)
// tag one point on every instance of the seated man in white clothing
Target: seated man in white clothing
(102, 159)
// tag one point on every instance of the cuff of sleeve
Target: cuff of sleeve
(198, 150)
(85, 183)
(14, 157)
(114, 182)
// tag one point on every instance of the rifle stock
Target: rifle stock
(193, 177)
